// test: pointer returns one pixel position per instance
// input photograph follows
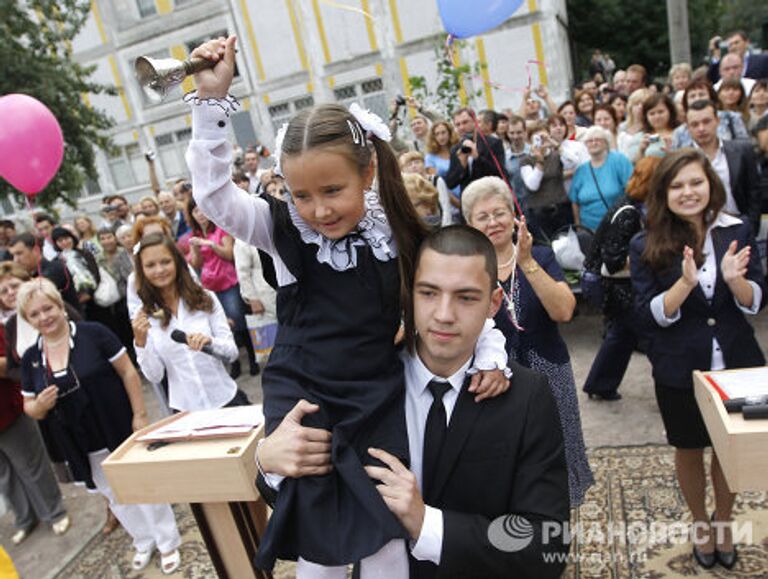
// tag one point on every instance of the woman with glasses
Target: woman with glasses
(26, 477)
(598, 183)
(77, 378)
(536, 299)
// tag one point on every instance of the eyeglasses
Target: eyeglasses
(498, 215)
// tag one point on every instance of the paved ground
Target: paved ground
(632, 420)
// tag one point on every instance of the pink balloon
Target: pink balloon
(31, 143)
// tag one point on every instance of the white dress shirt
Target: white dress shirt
(196, 381)
(720, 165)
(418, 400)
(707, 275)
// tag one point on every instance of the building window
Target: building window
(283, 112)
(146, 8)
(128, 167)
(171, 148)
(368, 94)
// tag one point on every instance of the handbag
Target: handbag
(107, 293)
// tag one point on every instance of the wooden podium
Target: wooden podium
(740, 444)
(217, 477)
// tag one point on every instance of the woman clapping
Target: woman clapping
(695, 273)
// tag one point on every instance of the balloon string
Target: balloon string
(31, 208)
(340, 6)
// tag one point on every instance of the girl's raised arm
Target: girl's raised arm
(209, 156)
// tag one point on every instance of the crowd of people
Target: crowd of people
(384, 261)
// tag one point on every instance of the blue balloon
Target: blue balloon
(465, 18)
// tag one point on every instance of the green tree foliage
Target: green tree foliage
(636, 32)
(747, 15)
(36, 59)
(445, 96)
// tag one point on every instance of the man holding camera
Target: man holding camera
(479, 153)
(421, 122)
(753, 65)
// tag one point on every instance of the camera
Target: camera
(464, 148)
(400, 100)
(537, 141)
(653, 139)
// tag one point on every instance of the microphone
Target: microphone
(181, 337)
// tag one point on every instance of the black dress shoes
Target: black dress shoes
(727, 560)
(706, 560)
(607, 396)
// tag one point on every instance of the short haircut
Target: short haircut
(464, 241)
(699, 84)
(703, 104)
(490, 117)
(106, 230)
(738, 32)
(462, 110)
(40, 217)
(597, 132)
(484, 188)
(7, 223)
(680, 67)
(516, 120)
(26, 238)
(38, 286)
(640, 69)
(502, 117)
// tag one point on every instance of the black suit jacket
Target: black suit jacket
(757, 68)
(502, 456)
(745, 186)
(483, 166)
(676, 351)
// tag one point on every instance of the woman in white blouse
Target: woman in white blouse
(172, 300)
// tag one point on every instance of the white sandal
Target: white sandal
(170, 563)
(61, 526)
(141, 560)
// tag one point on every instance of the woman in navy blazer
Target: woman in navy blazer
(695, 273)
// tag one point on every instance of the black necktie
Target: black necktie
(434, 434)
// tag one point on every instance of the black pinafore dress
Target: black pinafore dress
(335, 348)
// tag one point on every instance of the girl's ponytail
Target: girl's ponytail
(407, 228)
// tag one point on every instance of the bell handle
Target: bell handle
(193, 65)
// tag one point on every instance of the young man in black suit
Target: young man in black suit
(500, 458)
(734, 161)
(487, 490)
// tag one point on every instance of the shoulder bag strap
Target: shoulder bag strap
(594, 178)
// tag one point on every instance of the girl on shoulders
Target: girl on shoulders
(343, 252)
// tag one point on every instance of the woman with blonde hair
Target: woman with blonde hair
(78, 379)
(424, 197)
(149, 206)
(608, 263)
(536, 299)
(86, 231)
(631, 130)
(680, 75)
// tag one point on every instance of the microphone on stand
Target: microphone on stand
(181, 337)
